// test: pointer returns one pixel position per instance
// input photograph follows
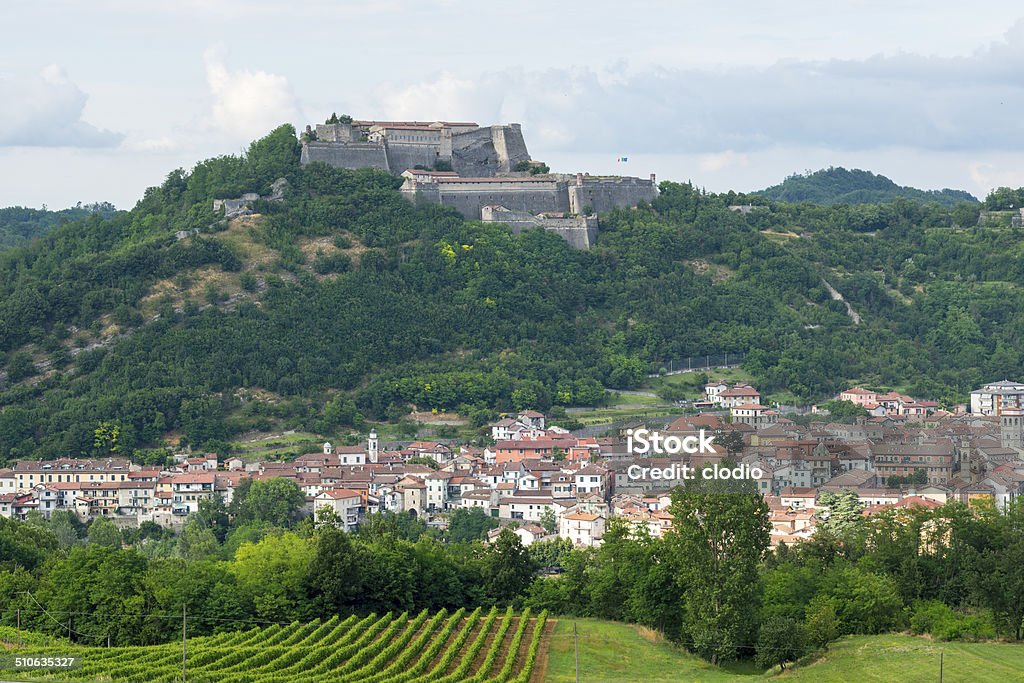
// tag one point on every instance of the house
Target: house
(755, 415)
(739, 395)
(859, 396)
(584, 529)
(798, 498)
(514, 451)
(29, 473)
(526, 508)
(528, 533)
(344, 503)
(935, 460)
(532, 418)
(992, 398)
(713, 391)
(591, 479)
(188, 489)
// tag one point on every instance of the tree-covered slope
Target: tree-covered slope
(842, 186)
(19, 224)
(345, 300)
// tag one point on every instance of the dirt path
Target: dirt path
(540, 668)
(854, 315)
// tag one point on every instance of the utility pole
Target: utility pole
(183, 646)
(940, 666)
(576, 644)
(70, 617)
(19, 627)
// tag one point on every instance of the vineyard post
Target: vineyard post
(183, 646)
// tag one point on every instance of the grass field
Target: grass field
(619, 653)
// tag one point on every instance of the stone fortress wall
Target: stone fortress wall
(482, 183)
(471, 150)
(579, 231)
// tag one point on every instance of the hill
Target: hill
(344, 303)
(18, 224)
(841, 186)
(611, 652)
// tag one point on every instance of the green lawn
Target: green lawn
(612, 652)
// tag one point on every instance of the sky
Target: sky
(101, 99)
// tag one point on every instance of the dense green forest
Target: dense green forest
(842, 186)
(711, 584)
(345, 302)
(19, 225)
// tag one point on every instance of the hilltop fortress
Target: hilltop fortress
(485, 173)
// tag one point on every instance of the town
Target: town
(543, 481)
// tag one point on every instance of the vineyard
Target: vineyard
(479, 647)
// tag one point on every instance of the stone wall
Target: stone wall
(509, 145)
(482, 153)
(406, 156)
(579, 231)
(534, 196)
(602, 193)
(336, 132)
(350, 155)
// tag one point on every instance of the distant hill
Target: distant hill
(19, 224)
(842, 186)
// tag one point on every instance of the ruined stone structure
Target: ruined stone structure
(394, 146)
(565, 204)
(579, 231)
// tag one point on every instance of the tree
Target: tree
(508, 568)
(731, 441)
(274, 575)
(780, 640)
(335, 571)
(213, 515)
(277, 502)
(104, 532)
(838, 408)
(821, 625)
(197, 541)
(548, 521)
(65, 527)
(841, 512)
(20, 367)
(719, 535)
(469, 525)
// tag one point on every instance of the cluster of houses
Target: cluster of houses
(888, 404)
(544, 481)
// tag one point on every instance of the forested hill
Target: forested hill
(840, 186)
(344, 300)
(18, 224)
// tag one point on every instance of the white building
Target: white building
(582, 528)
(992, 398)
(344, 503)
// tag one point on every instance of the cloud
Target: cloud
(713, 163)
(247, 104)
(46, 111)
(965, 103)
(988, 176)
(160, 144)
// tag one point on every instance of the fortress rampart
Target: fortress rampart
(480, 179)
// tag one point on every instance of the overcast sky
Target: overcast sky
(100, 99)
